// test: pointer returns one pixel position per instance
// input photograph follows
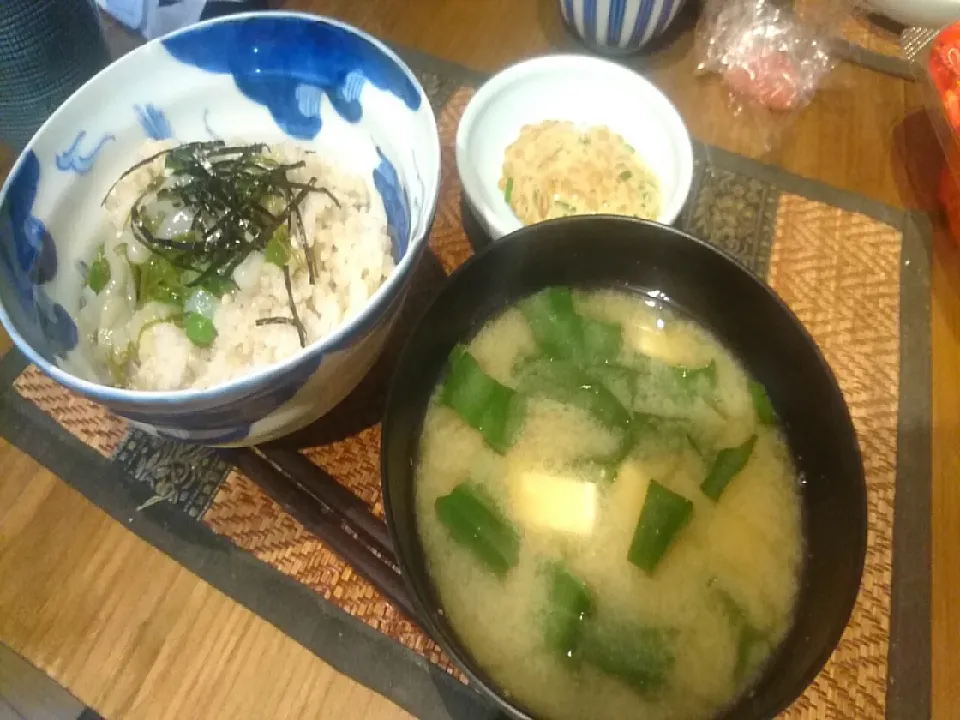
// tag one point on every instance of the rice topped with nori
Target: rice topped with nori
(221, 258)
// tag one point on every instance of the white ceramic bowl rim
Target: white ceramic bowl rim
(557, 62)
(258, 377)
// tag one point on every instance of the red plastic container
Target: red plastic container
(943, 67)
(950, 199)
(938, 68)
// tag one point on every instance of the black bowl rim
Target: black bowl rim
(528, 233)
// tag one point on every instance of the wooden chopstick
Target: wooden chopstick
(325, 521)
(319, 483)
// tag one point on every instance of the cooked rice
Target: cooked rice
(352, 249)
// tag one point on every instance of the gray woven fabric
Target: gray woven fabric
(48, 48)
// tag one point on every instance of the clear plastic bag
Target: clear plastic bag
(772, 60)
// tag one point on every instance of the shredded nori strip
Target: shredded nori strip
(275, 321)
(147, 161)
(230, 189)
(301, 331)
(321, 190)
(311, 261)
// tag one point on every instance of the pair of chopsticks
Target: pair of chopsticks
(340, 519)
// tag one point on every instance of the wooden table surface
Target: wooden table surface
(133, 634)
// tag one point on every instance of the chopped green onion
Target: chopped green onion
(749, 638)
(666, 433)
(161, 282)
(629, 147)
(569, 605)
(565, 206)
(555, 325)
(639, 656)
(649, 425)
(675, 382)
(565, 383)
(98, 275)
(690, 378)
(218, 285)
(625, 175)
(494, 410)
(475, 523)
(508, 191)
(601, 341)
(277, 251)
(663, 516)
(604, 468)
(761, 403)
(560, 332)
(523, 361)
(621, 381)
(199, 329)
(750, 641)
(727, 465)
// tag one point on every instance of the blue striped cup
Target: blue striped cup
(619, 26)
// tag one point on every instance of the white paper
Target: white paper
(154, 18)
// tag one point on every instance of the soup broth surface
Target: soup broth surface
(580, 547)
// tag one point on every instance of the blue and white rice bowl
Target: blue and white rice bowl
(259, 77)
(619, 26)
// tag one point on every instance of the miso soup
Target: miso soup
(609, 510)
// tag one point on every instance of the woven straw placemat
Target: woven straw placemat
(841, 262)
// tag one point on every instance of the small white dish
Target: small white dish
(583, 90)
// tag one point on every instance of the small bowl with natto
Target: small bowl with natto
(588, 92)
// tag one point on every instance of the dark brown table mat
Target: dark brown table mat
(856, 272)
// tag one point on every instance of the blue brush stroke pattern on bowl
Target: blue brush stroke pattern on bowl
(258, 76)
(154, 122)
(73, 159)
(388, 184)
(274, 63)
(619, 26)
(29, 263)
